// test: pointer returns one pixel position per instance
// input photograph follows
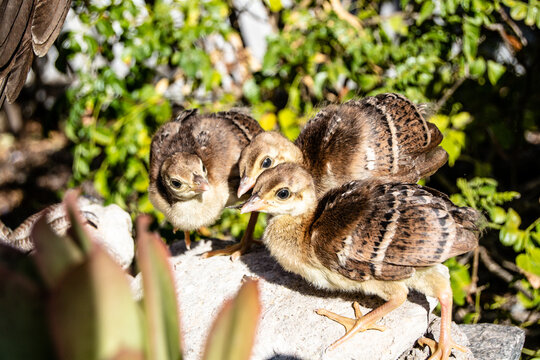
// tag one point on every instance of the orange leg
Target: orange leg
(362, 322)
(204, 231)
(442, 350)
(186, 237)
(236, 250)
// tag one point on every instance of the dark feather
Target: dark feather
(377, 137)
(14, 18)
(48, 19)
(387, 230)
(26, 27)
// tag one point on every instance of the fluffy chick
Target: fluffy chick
(194, 169)
(368, 236)
(383, 137)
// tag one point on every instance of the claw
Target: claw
(362, 322)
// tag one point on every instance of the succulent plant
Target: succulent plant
(70, 300)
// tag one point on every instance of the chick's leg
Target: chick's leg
(363, 322)
(442, 350)
(236, 250)
(186, 237)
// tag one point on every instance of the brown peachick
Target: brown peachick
(376, 238)
(382, 137)
(194, 170)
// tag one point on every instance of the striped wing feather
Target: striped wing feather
(378, 137)
(387, 230)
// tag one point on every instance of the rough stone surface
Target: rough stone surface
(495, 342)
(114, 229)
(433, 332)
(109, 225)
(289, 327)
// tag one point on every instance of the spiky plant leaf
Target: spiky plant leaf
(233, 332)
(92, 312)
(162, 319)
(76, 230)
(23, 327)
(54, 255)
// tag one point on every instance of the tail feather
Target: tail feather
(470, 224)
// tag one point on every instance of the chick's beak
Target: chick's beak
(201, 184)
(246, 183)
(254, 203)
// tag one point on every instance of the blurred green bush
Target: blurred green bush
(474, 61)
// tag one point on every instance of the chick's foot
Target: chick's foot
(352, 326)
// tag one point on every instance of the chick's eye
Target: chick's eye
(176, 184)
(283, 194)
(204, 169)
(266, 163)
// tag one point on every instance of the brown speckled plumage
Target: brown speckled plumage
(366, 235)
(198, 149)
(383, 137)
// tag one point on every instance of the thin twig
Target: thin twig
(448, 93)
(513, 25)
(511, 43)
(502, 273)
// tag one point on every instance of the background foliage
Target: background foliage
(474, 62)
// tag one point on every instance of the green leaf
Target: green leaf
(513, 220)
(497, 215)
(54, 255)
(478, 67)
(162, 319)
(368, 82)
(530, 261)
(471, 35)
(76, 231)
(495, 71)
(233, 332)
(275, 5)
(92, 312)
(251, 91)
(425, 11)
(459, 121)
(459, 280)
(518, 11)
(508, 236)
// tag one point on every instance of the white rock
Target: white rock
(113, 232)
(289, 326)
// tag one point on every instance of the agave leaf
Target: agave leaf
(54, 255)
(160, 304)
(76, 231)
(92, 312)
(233, 332)
(23, 327)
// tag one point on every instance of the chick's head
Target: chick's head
(184, 176)
(265, 151)
(286, 189)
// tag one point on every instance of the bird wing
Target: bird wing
(401, 145)
(245, 127)
(366, 230)
(15, 78)
(47, 21)
(14, 18)
(26, 27)
(378, 137)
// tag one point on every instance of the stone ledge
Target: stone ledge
(289, 327)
